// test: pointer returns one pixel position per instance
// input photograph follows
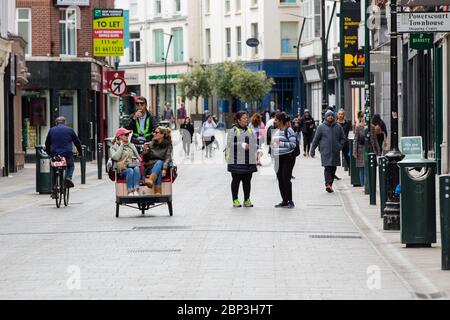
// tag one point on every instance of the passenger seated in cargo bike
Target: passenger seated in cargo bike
(157, 159)
(127, 160)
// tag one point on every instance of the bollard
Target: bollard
(354, 171)
(382, 167)
(366, 173)
(444, 201)
(350, 148)
(83, 164)
(107, 148)
(373, 178)
(99, 160)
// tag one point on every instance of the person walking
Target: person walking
(308, 125)
(346, 126)
(168, 114)
(187, 132)
(381, 132)
(283, 145)
(127, 159)
(258, 128)
(330, 139)
(181, 115)
(241, 158)
(207, 134)
(359, 144)
(59, 142)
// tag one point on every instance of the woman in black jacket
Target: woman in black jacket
(308, 125)
(187, 132)
(241, 157)
(347, 127)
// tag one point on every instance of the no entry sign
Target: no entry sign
(118, 87)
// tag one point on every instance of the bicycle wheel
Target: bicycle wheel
(58, 189)
(66, 196)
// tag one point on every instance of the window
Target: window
(158, 37)
(239, 41)
(288, 37)
(157, 7)
(133, 8)
(227, 6)
(255, 34)
(208, 44)
(207, 6)
(228, 42)
(178, 54)
(254, 3)
(135, 47)
(68, 31)
(238, 5)
(24, 27)
(307, 7)
(177, 5)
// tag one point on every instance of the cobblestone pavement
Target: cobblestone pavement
(207, 250)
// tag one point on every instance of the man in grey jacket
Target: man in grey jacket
(330, 139)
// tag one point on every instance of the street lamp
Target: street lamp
(165, 71)
(298, 58)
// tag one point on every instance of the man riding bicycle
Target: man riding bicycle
(59, 143)
(142, 123)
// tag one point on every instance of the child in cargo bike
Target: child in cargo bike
(157, 157)
(127, 160)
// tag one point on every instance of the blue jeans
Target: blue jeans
(69, 171)
(157, 169)
(133, 176)
(361, 176)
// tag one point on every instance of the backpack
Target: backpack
(269, 135)
(296, 151)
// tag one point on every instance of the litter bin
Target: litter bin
(354, 171)
(164, 123)
(43, 174)
(444, 201)
(417, 202)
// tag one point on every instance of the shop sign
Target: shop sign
(357, 83)
(353, 58)
(162, 77)
(252, 42)
(79, 3)
(423, 3)
(380, 62)
(421, 41)
(411, 147)
(408, 22)
(132, 78)
(108, 32)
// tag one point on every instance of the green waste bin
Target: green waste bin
(444, 201)
(417, 202)
(354, 171)
(43, 174)
(382, 171)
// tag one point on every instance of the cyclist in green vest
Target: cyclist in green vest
(142, 123)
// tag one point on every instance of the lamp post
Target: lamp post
(391, 218)
(165, 72)
(298, 59)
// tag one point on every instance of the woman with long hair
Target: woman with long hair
(187, 132)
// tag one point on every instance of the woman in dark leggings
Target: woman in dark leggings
(308, 125)
(241, 158)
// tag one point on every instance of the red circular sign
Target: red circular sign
(118, 86)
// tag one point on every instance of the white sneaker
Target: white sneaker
(130, 194)
(136, 193)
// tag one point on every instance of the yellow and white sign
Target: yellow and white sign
(108, 32)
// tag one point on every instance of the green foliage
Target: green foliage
(196, 83)
(222, 75)
(248, 85)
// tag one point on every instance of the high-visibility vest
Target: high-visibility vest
(146, 133)
(227, 150)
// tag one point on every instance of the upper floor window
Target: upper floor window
(24, 27)
(208, 44)
(255, 34)
(238, 5)
(135, 47)
(133, 8)
(288, 37)
(228, 42)
(227, 6)
(159, 45)
(239, 41)
(207, 6)
(158, 8)
(68, 31)
(307, 7)
(254, 3)
(178, 52)
(177, 6)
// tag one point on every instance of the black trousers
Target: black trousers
(345, 151)
(187, 147)
(285, 165)
(307, 140)
(329, 175)
(246, 184)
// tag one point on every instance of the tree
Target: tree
(251, 86)
(222, 76)
(196, 83)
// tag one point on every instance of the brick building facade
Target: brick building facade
(65, 77)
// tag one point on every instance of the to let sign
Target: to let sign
(408, 22)
(108, 32)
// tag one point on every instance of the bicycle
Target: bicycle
(59, 163)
